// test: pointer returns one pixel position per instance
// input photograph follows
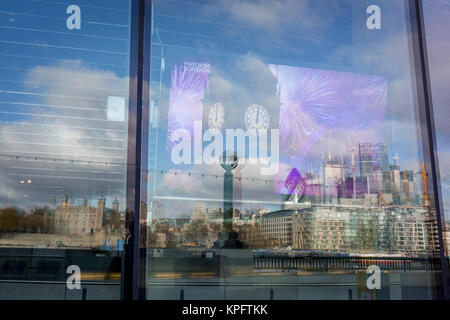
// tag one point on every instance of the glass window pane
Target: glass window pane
(436, 14)
(63, 141)
(285, 155)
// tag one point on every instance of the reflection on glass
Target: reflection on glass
(320, 115)
(436, 24)
(63, 134)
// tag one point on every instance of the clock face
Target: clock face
(257, 117)
(216, 116)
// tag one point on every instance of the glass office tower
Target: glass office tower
(223, 150)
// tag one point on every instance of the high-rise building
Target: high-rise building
(199, 213)
(278, 226)
(319, 231)
(403, 230)
(373, 161)
(333, 179)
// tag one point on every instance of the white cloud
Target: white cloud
(66, 120)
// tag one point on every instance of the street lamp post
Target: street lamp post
(228, 237)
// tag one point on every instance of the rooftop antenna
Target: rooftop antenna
(329, 148)
(396, 159)
(353, 173)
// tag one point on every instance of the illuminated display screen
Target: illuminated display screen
(187, 89)
(316, 111)
(325, 111)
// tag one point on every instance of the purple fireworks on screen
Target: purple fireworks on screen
(308, 101)
(375, 88)
(173, 136)
(187, 89)
(316, 102)
(325, 112)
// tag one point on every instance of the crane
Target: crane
(424, 174)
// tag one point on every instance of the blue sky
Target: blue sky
(313, 34)
(437, 14)
(81, 68)
(54, 90)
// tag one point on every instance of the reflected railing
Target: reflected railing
(261, 262)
